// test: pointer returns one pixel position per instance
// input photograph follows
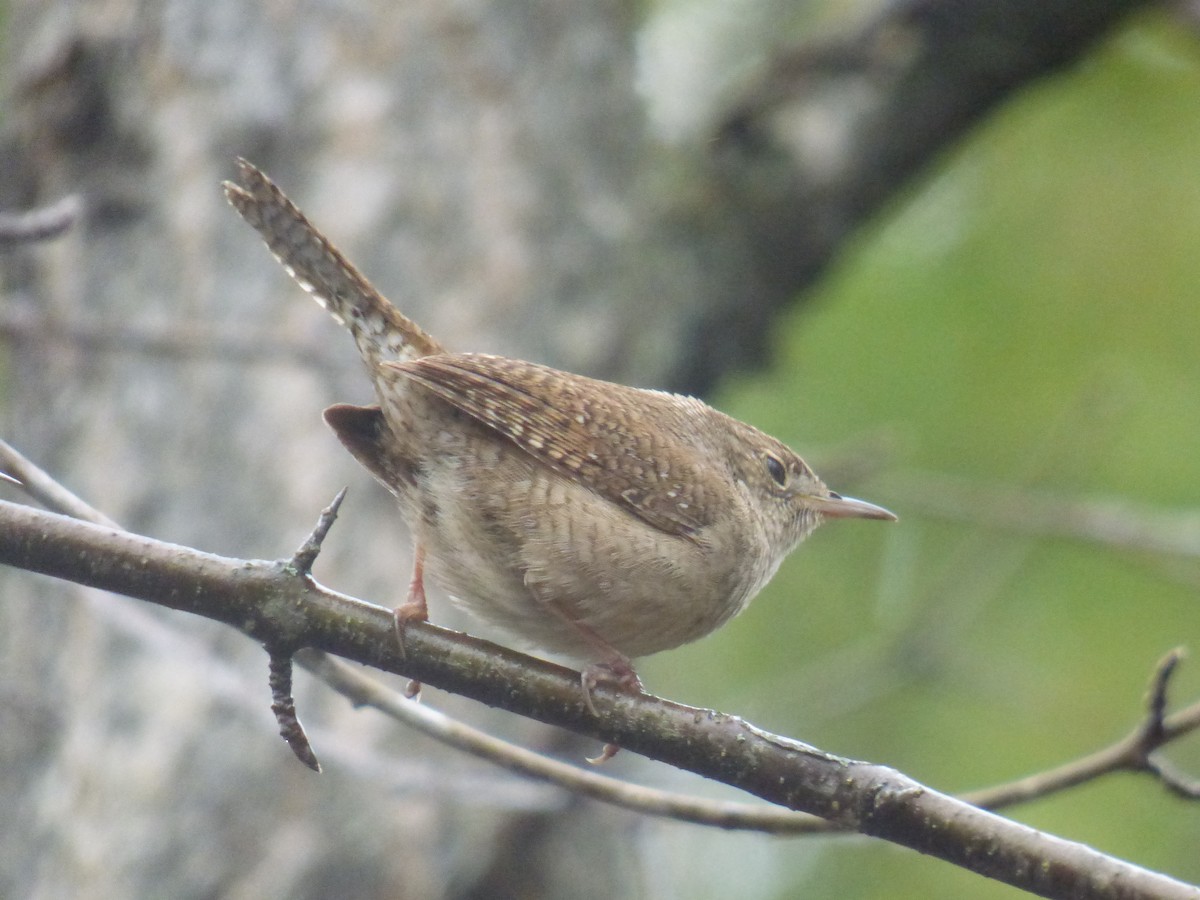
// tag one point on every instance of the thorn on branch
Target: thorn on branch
(284, 708)
(303, 559)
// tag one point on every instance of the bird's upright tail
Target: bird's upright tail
(381, 332)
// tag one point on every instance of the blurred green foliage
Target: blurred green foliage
(1028, 316)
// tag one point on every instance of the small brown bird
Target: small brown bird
(589, 519)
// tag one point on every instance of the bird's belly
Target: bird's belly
(546, 552)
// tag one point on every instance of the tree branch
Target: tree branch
(362, 690)
(1131, 753)
(272, 603)
(43, 488)
(898, 91)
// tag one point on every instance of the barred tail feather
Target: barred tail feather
(381, 332)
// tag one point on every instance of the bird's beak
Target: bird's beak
(835, 506)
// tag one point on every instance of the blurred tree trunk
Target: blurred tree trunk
(491, 167)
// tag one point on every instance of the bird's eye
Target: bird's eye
(776, 470)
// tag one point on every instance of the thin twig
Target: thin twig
(1156, 701)
(1174, 780)
(284, 708)
(46, 490)
(1131, 753)
(1154, 734)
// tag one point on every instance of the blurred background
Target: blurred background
(946, 250)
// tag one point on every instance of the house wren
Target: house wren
(592, 520)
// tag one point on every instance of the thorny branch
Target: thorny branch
(1132, 753)
(278, 604)
(365, 691)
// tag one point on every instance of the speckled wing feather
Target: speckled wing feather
(594, 432)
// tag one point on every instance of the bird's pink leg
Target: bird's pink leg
(413, 609)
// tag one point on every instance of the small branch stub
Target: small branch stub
(1154, 733)
(1156, 702)
(284, 708)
